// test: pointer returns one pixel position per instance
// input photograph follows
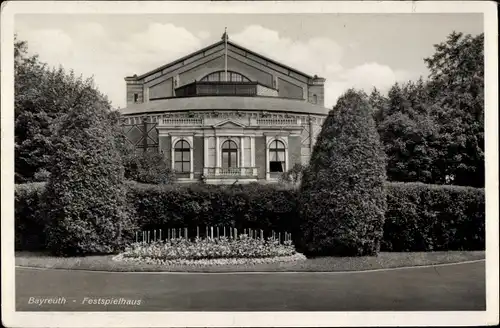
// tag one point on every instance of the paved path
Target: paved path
(453, 287)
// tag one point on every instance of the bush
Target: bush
(422, 217)
(343, 189)
(148, 167)
(87, 210)
(28, 217)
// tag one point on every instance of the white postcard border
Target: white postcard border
(250, 319)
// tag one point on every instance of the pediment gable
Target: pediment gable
(229, 124)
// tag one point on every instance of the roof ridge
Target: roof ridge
(176, 61)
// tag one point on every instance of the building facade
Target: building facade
(225, 114)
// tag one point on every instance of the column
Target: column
(287, 158)
(268, 175)
(191, 169)
(242, 152)
(252, 151)
(217, 155)
(252, 155)
(205, 154)
(172, 150)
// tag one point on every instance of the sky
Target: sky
(349, 50)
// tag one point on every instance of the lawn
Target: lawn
(321, 264)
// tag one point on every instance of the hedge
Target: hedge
(419, 217)
(422, 217)
(266, 207)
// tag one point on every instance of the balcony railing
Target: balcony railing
(219, 88)
(182, 121)
(278, 121)
(230, 172)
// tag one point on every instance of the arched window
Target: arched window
(219, 76)
(229, 154)
(277, 156)
(182, 157)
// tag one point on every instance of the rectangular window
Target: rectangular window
(136, 97)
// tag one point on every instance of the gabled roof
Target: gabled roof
(180, 60)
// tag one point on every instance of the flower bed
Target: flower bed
(211, 251)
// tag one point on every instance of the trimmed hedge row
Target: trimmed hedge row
(266, 207)
(422, 217)
(419, 217)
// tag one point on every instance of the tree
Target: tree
(379, 104)
(456, 85)
(87, 210)
(41, 96)
(408, 132)
(343, 190)
(32, 124)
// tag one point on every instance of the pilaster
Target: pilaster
(242, 152)
(217, 154)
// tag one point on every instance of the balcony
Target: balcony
(230, 172)
(218, 88)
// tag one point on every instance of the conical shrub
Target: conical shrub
(342, 198)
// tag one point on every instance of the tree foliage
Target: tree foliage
(342, 191)
(433, 131)
(407, 131)
(42, 95)
(87, 211)
(456, 86)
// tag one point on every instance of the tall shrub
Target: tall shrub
(342, 192)
(86, 200)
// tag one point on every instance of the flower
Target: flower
(221, 250)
